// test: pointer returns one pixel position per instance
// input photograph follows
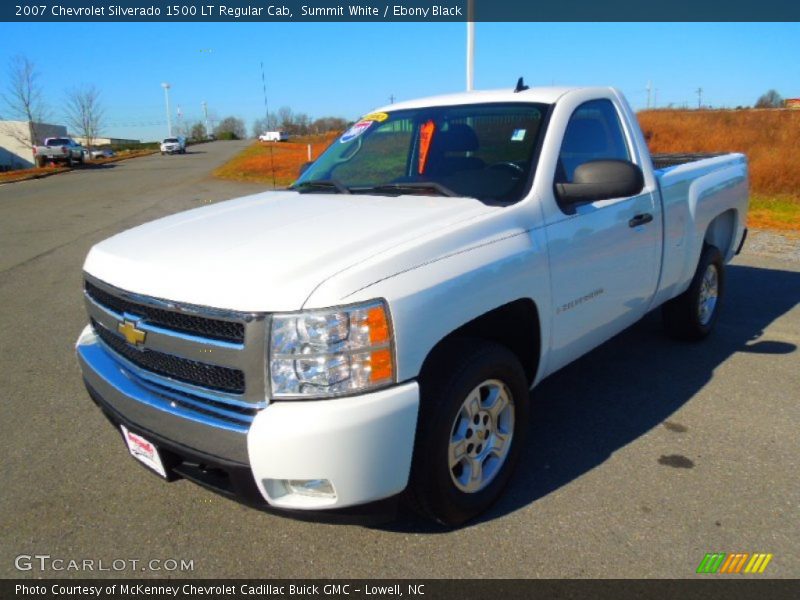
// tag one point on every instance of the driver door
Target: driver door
(604, 258)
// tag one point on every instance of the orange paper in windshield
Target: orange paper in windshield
(425, 137)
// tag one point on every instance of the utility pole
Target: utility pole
(470, 45)
(166, 87)
(391, 99)
(655, 98)
(699, 93)
(205, 116)
(648, 88)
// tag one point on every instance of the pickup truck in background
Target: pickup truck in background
(374, 332)
(58, 150)
(274, 136)
(173, 145)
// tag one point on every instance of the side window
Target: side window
(593, 133)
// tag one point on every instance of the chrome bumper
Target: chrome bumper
(155, 412)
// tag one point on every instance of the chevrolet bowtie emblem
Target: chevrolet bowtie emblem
(132, 335)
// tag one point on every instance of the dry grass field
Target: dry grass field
(769, 138)
(258, 162)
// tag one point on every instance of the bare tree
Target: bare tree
(23, 98)
(260, 126)
(771, 99)
(84, 112)
(231, 128)
(198, 131)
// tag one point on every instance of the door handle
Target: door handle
(641, 219)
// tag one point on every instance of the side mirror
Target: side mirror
(601, 180)
(304, 167)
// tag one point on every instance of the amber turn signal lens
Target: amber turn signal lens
(378, 325)
(381, 365)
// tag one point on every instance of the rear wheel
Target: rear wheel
(472, 423)
(693, 314)
(41, 161)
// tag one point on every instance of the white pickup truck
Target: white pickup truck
(58, 150)
(373, 332)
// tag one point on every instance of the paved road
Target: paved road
(643, 456)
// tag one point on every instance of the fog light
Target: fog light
(316, 488)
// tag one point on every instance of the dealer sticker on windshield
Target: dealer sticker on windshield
(355, 131)
(380, 117)
(144, 451)
(518, 135)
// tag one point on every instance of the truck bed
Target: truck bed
(662, 161)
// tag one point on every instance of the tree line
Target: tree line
(284, 119)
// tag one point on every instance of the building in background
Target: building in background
(793, 103)
(16, 152)
(105, 141)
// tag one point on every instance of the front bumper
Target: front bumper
(361, 444)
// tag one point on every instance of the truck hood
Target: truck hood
(267, 252)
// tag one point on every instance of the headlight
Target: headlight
(324, 353)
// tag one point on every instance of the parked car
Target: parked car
(97, 153)
(274, 136)
(58, 150)
(376, 329)
(173, 145)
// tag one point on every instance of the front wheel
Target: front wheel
(472, 424)
(693, 314)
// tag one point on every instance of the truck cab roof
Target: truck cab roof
(545, 95)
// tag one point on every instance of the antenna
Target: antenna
(521, 87)
(266, 115)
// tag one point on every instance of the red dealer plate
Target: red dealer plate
(144, 451)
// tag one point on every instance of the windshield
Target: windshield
(171, 141)
(57, 142)
(483, 151)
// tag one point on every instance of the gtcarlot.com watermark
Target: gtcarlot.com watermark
(48, 563)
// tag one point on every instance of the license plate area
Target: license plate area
(145, 451)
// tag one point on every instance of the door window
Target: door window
(594, 132)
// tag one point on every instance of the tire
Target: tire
(458, 390)
(692, 315)
(80, 160)
(70, 162)
(41, 162)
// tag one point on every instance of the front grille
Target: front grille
(213, 377)
(217, 329)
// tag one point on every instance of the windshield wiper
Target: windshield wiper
(331, 184)
(411, 186)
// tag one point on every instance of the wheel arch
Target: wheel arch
(515, 325)
(720, 232)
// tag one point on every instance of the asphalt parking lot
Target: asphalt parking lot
(643, 456)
